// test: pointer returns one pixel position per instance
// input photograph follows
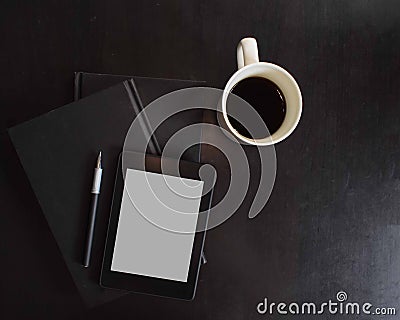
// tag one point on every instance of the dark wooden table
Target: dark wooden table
(332, 222)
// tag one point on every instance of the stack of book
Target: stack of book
(57, 151)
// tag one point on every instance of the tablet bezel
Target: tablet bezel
(147, 284)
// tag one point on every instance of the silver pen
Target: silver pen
(93, 209)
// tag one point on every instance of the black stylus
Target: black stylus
(93, 209)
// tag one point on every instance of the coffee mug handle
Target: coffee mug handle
(247, 52)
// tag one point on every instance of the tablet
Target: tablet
(157, 226)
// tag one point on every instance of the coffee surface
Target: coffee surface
(266, 98)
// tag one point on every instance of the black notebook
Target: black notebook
(88, 83)
(58, 152)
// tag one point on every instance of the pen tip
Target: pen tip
(99, 160)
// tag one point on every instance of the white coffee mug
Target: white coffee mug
(249, 66)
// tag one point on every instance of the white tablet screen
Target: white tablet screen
(143, 248)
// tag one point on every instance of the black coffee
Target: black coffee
(266, 98)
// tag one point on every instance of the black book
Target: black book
(58, 151)
(147, 90)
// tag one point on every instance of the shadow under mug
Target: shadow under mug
(249, 66)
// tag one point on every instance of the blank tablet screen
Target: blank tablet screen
(154, 207)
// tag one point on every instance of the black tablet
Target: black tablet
(157, 226)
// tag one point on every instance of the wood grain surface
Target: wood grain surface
(332, 221)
